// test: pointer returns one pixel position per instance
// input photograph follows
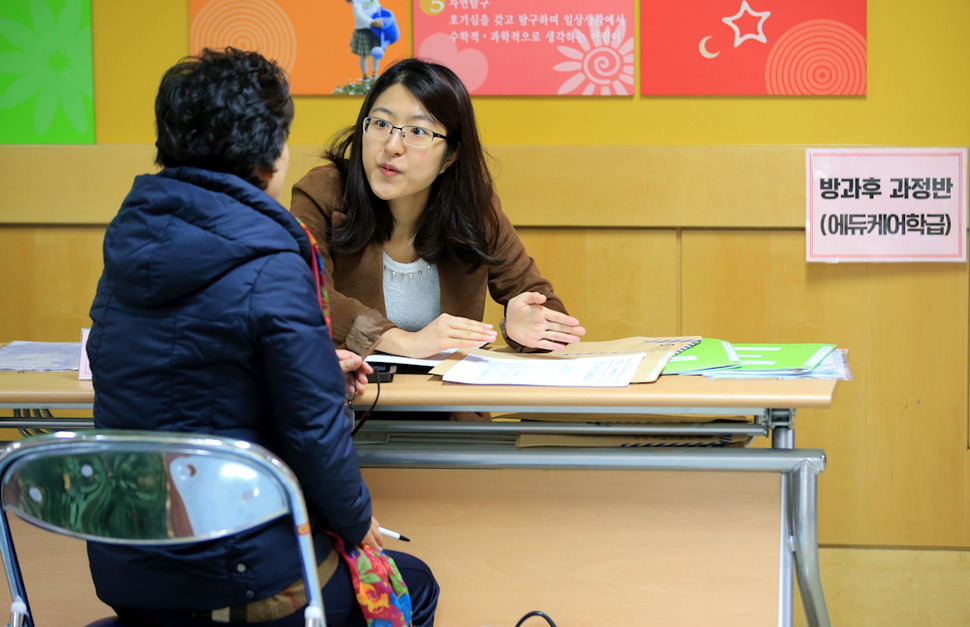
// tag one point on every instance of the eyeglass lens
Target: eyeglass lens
(412, 135)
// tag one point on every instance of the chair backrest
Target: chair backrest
(147, 488)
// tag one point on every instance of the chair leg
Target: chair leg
(18, 613)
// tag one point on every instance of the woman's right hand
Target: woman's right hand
(443, 333)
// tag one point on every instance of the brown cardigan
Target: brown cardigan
(355, 282)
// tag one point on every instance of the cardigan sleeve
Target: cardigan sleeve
(517, 273)
(317, 200)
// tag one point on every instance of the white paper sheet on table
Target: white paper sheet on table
(430, 362)
(40, 356)
(609, 371)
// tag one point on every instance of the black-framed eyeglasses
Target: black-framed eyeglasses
(416, 136)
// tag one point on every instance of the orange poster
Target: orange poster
(540, 47)
(310, 39)
(753, 47)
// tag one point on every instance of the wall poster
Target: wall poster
(46, 72)
(309, 39)
(753, 47)
(537, 48)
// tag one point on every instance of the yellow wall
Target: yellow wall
(682, 241)
(918, 91)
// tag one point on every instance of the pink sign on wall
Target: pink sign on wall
(541, 47)
(886, 204)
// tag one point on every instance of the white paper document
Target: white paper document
(430, 362)
(40, 356)
(609, 371)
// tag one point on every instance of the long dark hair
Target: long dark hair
(460, 223)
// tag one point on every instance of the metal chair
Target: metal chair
(75, 484)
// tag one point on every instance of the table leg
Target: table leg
(805, 497)
(782, 437)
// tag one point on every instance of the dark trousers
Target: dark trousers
(339, 602)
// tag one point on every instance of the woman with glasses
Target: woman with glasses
(412, 231)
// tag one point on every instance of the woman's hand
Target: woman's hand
(355, 369)
(373, 538)
(534, 326)
(443, 333)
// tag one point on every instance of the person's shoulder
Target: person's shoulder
(323, 178)
(323, 186)
(503, 219)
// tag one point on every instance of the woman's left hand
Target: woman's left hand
(531, 324)
(355, 369)
(373, 537)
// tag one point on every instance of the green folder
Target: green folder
(709, 355)
(779, 359)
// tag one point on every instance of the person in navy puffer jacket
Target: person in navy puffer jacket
(207, 319)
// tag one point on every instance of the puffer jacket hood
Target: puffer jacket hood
(180, 229)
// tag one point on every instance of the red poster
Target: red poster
(540, 47)
(310, 39)
(753, 47)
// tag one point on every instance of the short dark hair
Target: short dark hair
(226, 111)
(460, 222)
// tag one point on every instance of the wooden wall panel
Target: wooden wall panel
(896, 438)
(589, 186)
(916, 429)
(50, 274)
(618, 283)
(754, 286)
(68, 184)
(654, 186)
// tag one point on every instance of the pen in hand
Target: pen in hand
(393, 534)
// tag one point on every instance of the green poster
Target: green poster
(46, 76)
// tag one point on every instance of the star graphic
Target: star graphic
(738, 37)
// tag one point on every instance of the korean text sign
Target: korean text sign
(886, 204)
(540, 47)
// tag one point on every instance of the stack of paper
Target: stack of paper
(584, 364)
(40, 356)
(616, 371)
(775, 360)
(716, 358)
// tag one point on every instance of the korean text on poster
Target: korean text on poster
(542, 47)
(886, 204)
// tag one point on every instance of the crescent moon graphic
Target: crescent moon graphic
(702, 48)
